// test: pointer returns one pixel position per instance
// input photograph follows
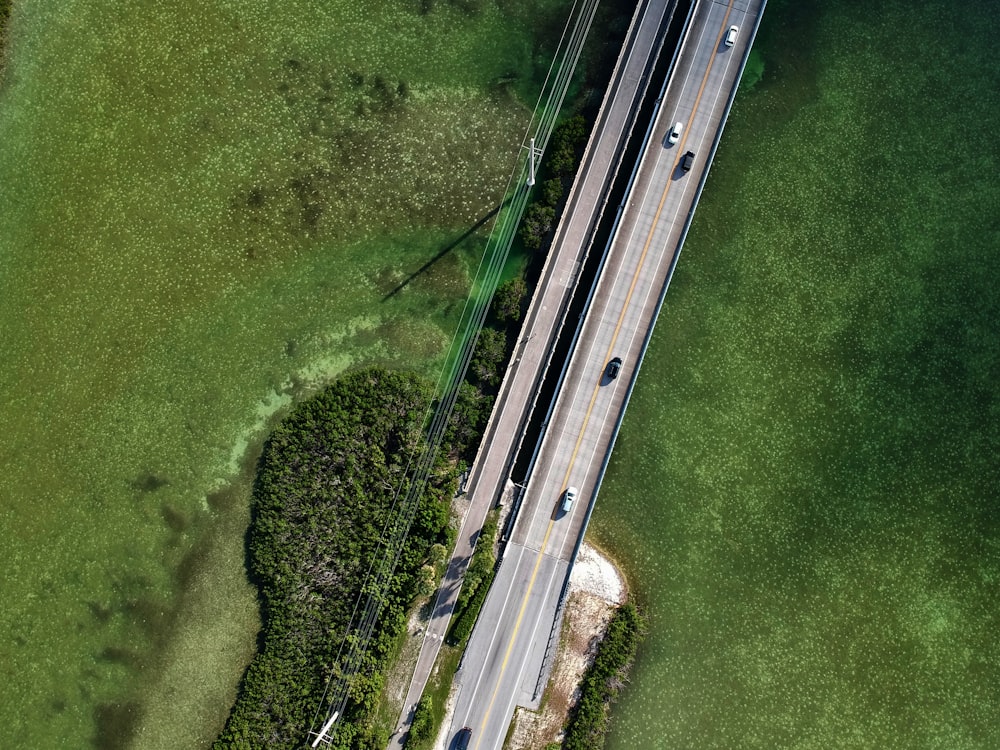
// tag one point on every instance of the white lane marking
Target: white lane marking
(662, 231)
(508, 706)
(493, 637)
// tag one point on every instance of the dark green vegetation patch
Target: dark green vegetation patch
(475, 585)
(423, 721)
(205, 209)
(561, 162)
(604, 680)
(4, 17)
(326, 484)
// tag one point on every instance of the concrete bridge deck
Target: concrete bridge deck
(506, 652)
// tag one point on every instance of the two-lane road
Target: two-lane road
(504, 657)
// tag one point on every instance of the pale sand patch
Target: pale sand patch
(593, 573)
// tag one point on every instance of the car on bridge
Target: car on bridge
(687, 161)
(568, 498)
(614, 367)
(731, 35)
(675, 132)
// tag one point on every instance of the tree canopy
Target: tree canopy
(326, 483)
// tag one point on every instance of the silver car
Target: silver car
(568, 498)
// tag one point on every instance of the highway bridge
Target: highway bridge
(505, 662)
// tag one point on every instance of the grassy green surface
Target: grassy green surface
(204, 210)
(805, 487)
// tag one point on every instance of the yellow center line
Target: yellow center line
(597, 388)
(642, 257)
(517, 627)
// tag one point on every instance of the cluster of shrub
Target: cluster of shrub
(423, 721)
(468, 423)
(603, 680)
(499, 334)
(325, 485)
(476, 584)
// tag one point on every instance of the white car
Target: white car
(568, 498)
(675, 132)
(734, 31)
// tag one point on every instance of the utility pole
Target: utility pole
(322, 737)
(533, 154)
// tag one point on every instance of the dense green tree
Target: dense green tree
(468, 420)
(423, 721)
(567, 139)
(509, 298)
(488, 359)
(476, 582)
(552, 191)
(536, 224)
(326, 488)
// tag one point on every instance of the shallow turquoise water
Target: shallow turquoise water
(805, 488)
(203, 210)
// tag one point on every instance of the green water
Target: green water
(204, 210)
(805, 491)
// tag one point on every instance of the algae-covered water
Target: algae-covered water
(805, 490)
(206, 209)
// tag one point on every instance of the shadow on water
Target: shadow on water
(116, 724)
(445, 250)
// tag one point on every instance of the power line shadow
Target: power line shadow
(444, 251)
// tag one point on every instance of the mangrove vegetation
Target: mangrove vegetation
(604, 680)
(326, 483)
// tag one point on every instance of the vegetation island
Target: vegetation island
(326, 484)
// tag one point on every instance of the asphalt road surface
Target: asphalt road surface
(503, 661)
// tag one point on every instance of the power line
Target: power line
(404, 506)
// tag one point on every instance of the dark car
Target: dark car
(464, 737)
(687, 161)
(614, 367)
